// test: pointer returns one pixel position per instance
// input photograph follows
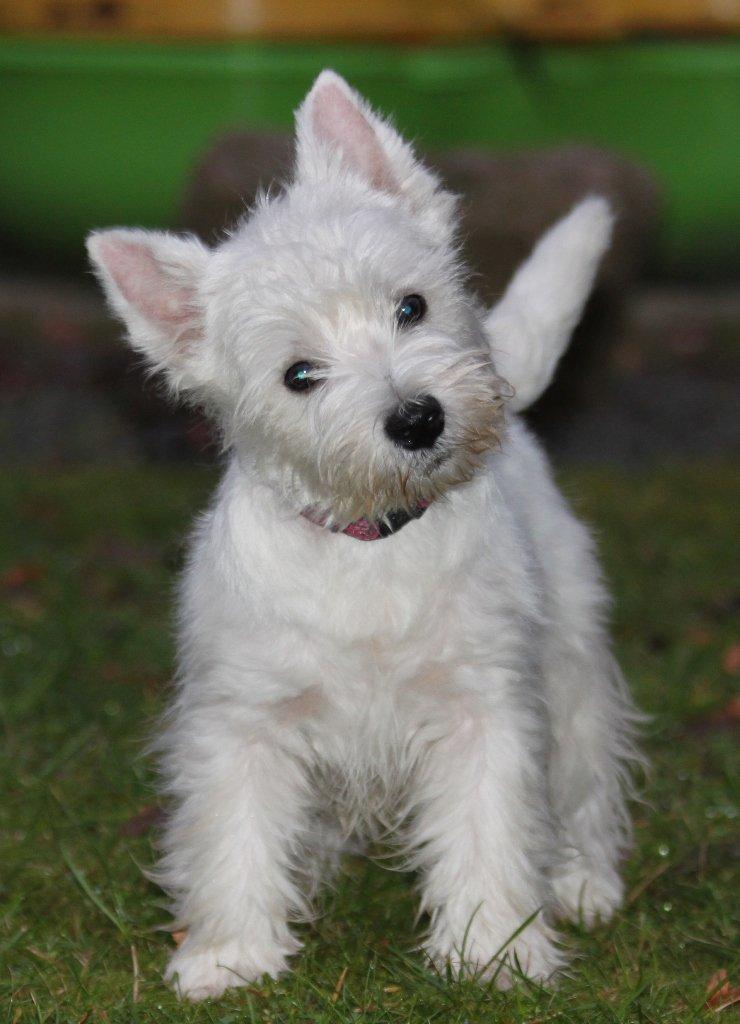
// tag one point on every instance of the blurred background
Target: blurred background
(167, 114)
(172, 114)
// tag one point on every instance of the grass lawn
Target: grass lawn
(87, 561)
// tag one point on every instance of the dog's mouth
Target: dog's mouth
(369, 529)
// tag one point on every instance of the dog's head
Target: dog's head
(331, 334)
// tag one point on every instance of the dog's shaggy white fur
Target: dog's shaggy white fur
(451, 683)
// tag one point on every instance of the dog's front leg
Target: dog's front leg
(484, 839)
(239, 814)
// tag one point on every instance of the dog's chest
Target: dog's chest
(367, 698)
(338, 590)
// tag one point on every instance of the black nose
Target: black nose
(416, 423)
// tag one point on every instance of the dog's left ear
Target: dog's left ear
(338, 134)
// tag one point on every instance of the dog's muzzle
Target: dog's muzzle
(367, 529)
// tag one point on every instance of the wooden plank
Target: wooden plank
(409, 20)
(609, 19)
(412, 19)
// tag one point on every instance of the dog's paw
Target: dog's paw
(486, 954)
(587, 894)
(198, 972)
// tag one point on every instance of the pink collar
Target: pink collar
(366, 529)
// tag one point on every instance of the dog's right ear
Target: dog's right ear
(153, 280)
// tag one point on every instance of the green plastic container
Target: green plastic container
(99, 133)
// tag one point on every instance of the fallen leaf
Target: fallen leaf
(21, 575)
(731, 660)
(700, 636)
(339, 985)
(721, 995)
(730, 712)
(723, 720)
(147, 818)
(390, 989)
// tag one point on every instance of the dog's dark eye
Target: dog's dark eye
(300, 376)
(411, 310)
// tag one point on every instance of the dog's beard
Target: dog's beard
(346, 481)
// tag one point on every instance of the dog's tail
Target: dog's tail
(529, 329)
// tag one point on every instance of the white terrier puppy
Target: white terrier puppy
(454, 680)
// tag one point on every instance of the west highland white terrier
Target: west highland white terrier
(451, 683)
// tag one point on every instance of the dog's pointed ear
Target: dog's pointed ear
(530, 328)
(335, 128)
(338, 133)
(152, 280)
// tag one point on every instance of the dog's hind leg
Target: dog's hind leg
(593, 723)
(592, 718)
